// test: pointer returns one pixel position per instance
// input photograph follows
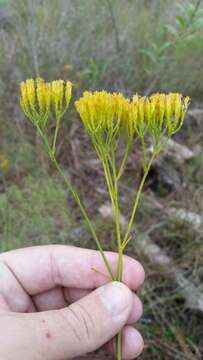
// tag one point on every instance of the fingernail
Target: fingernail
(115, 297)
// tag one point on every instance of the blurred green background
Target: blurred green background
(129, 46)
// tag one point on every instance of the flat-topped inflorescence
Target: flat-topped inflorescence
(38, 96)
(102, 112)
(110, 113)
(158, 114)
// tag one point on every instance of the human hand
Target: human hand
(54, 306)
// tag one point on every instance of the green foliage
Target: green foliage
(93, 73)
(3, 3)
(141, 46)
(35, 214)
(175, 41)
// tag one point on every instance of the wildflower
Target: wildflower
(178, 106)
(102, 113)
(37, 97)
(157, 114)
(43, 91)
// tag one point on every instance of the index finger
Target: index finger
(42, 268)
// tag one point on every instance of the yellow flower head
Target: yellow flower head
(61, 95)
(168, 112)
(36, 99)
(27, 99)
(102, 112)
(57, 92)
(139, 113)
(157, 114)
(68, 93)
(37, 96)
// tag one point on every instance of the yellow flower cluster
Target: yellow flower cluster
(105, 114)
(159, 113)
(102, 112)
(37, 96)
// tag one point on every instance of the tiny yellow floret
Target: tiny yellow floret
(68, 92)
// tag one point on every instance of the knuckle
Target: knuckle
(71, 323)
(83, 323)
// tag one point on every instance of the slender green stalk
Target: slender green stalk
(78, 202)
(117, 216)
(123, 164)
(113, 193)
(108, 177)
(55, 138)
(84, 213)
(124, 244)
(137, 198)
(115, 203)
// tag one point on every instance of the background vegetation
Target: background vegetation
(130, 46)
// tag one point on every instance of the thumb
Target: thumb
(82, 327)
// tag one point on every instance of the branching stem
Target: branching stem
(77, 200)
(137, 198)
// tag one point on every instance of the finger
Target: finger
(74, 294)
(3, 305)
(83, 327)
(50, 300)
(39, 269)
(136, 310)
(12, 294)
(95, 358)
(59, 298)
(132, 344)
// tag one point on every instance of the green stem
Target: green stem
(78, 202)
(55, 138)
(144, 153)
(112, 183)
(117, 216)
(118, 233)
(124, 244)
(84, 213)
(123, 164)
(137, 198)
(127, 237)
(119, 346)
(108, 177)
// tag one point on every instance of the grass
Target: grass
(124, 50)
(34, 214)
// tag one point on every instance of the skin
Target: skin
(57, 302)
